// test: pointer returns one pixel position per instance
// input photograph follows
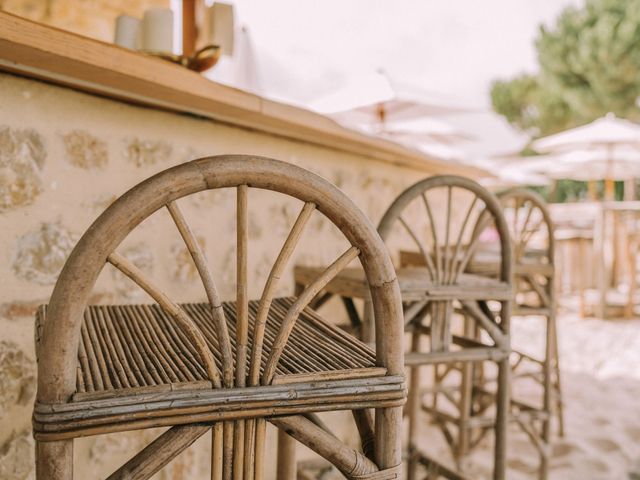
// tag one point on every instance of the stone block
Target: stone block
(17, 377)
(144, 153)
(22, 156)
(85, 151)
(17, 457)
(40, 255)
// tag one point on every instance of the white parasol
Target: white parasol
(374, 101)
(608, 148)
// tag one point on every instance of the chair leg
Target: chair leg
(464, 433)
(287, 468)
(54, 460)
(466, 398)
(413, 407)
(559, 407)
(502, 415)
(388, 437)
(548, 398)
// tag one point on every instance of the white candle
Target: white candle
(127, 32)
(221, 26)
(157, 30)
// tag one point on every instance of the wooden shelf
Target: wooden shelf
(42, 52)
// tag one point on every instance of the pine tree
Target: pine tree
(589, 66)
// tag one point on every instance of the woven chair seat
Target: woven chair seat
(134, 363)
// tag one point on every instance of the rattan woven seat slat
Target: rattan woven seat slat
(315, 347)
(147, 366)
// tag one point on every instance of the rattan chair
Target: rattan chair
(447, 245)
(532, 237)
(224, 367)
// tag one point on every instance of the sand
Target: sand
(600, 362)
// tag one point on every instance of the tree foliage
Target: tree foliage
(589, 66)
(529, 106)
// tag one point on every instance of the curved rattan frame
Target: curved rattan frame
(60, 340)
(393, 213)
(445, 271)
(540, 435)
(539, 203)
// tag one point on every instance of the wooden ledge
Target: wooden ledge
(39, 51)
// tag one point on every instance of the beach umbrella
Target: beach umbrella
(609, 147)
(606, 132)
(431, 136)
(511, 170)
(376, 105)
(594, 170)
(511, 177)
(585, 164)
(441, 150)
(374, 101)
(421, 130)
(622, 163)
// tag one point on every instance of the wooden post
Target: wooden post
(581, 277)
(592, 187)
(600, 264)
(553, 192)
(630, 189)
(189, 28)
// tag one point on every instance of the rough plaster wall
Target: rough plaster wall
(64, 157)
(91, 18)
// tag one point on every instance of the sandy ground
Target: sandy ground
(600, 362)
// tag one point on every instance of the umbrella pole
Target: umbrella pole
(592, 187)
(381, 115)
(553, 191)
(609, 186)
(609, 189)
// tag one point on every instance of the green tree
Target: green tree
(529, 106)
(589, 66)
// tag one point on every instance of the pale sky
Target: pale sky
(305, 49)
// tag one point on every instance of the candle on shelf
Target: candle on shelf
(127, 32)
(221, 26)
(157, 30)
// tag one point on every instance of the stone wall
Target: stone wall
(64, 157)
(91, 18)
